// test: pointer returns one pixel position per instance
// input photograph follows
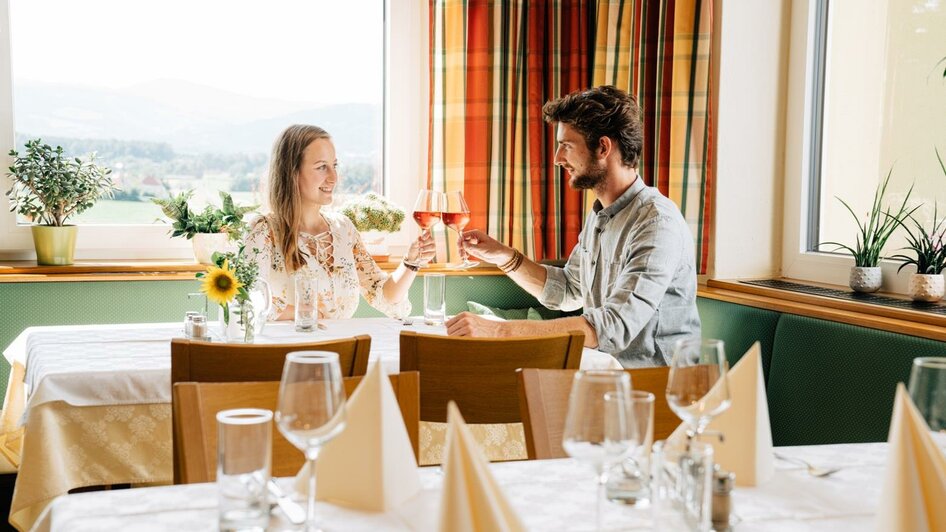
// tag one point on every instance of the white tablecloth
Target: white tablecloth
(548, 495)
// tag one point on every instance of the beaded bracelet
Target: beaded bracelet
(410, 266)
(513, 263)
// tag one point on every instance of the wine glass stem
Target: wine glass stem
(602, 483)
(310, 524)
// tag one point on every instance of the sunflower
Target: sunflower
(220, 284)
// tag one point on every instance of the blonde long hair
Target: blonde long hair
(285, 198)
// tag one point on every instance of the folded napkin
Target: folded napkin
(472, 500)
(914, 492)
(746, 449)
(371, 464)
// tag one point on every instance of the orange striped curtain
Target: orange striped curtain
(495, 63)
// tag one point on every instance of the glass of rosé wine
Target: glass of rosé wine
(456, 215)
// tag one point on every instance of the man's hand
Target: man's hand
(486, 247)
(467, 324)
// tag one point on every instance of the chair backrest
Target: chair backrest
(195, 425)
(193, 361)
(543, 398)
(480, 373)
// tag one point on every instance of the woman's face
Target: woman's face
(319, 172)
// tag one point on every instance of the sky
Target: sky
(313, 51)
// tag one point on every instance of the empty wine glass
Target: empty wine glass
(427, 209)
(928, 390)
(599, 426)
(456, 215)
(311, 409)
(697, 388)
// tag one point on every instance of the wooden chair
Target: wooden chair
(195, 427)
(543, 399)
(480, 373)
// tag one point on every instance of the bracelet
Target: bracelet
(513, 263)
(410, 266)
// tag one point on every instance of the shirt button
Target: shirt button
(593, 262)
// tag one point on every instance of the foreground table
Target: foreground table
(95, 400)
(548, 495)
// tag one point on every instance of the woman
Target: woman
(299, 235)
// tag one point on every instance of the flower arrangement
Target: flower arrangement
(185, 222)
(372, 212)
(230, 278)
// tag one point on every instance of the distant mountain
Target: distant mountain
(191, 118)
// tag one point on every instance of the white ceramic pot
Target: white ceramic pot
(865, 278)
(206, 243)
(927, 287)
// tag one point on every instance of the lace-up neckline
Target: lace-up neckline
(322, 247)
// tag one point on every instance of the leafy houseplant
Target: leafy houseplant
(874, 234)
(372, 212)
(210, 228)
(49, 188)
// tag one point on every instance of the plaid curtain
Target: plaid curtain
(495, 63)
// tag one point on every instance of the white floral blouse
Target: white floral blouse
(337, 258)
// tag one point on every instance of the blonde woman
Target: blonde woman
(300, 236)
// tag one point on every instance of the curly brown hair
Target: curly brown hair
(604, 111)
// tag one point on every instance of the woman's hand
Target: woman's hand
(486, 247)
(422, 250)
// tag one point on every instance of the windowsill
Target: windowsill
(892, 319)
(154, 270)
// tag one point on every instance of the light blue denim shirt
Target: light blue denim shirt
(634, 273)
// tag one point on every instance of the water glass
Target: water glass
(682, 485)
(928, 390)
(435, 298)
(629, 481)
(697, 387)
(244, 453)
(306, 302)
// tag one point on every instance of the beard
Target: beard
(591, 178)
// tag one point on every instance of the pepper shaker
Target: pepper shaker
(199, 328)
(723, 482)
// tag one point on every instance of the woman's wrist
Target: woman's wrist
(412, 266)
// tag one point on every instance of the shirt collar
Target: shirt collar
(622, 201)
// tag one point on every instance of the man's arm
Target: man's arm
(467, 324)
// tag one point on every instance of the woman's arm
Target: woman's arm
(419, 254)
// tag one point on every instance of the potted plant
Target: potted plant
(372, 213)
(209, 230)
(865, 274)
(48, 188)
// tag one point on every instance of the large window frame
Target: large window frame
(404, 150)
(805, 98)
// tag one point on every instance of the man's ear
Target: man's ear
(605, 145)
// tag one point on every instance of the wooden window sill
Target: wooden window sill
(892, 319)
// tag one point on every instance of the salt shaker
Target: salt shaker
(189, 323)
(722, 499)
(199, 327)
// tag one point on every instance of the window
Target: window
(177, 95)
(875, 101)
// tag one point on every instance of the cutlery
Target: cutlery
(293, 512)
(813, 470)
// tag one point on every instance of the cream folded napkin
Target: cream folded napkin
(914, 492)
(472, 500)
(371, 464)
(746, 449)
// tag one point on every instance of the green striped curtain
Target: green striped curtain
(495, 63)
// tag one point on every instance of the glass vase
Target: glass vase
(240, 326)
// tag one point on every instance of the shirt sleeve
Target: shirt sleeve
(260, 247)
(640, 285)
(562, 290)
(372, 280)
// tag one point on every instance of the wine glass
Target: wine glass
(456, 215)
(311, 409)
(928, 391)
(697, 388)
(599, 425)
(427, 209)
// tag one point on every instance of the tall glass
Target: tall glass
(435, 302)
(427, 209)
(697, 388)
(599, 426)
(244, 455)
(306, 301)
(311, 409)
(928, 390)
(456, 215)
(629, 481)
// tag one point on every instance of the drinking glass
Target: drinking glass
(682, 487)
(306, 301)
(244, 450)
(629, 481)
(599, 425)
(697, 388)
(427, 209)
(456, 215)
(311, 409)
(435, 291)
(928, 390)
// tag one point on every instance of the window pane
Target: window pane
(885, 103)
(178, 94)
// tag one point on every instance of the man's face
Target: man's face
(585, 170)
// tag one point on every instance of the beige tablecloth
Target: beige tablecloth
(97, 413)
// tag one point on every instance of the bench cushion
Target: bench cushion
(739, 326)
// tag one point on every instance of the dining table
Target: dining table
(547, 495)
(90, 405)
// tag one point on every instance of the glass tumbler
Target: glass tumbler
(435, 302)
(306, 302)
(244, 454)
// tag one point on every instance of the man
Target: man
(633, 270)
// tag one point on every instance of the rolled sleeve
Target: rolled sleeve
(562, 290)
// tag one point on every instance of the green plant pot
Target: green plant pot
(55, 246)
